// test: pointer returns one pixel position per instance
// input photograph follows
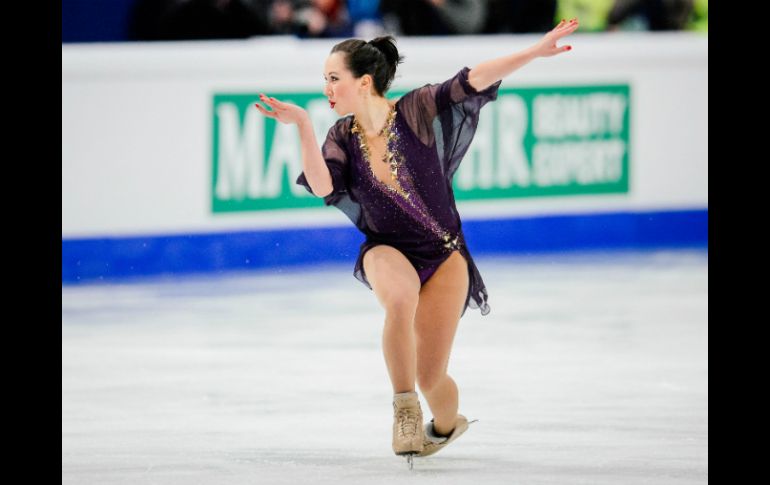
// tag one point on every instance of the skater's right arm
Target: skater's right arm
(315, 169)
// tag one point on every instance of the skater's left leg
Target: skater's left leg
(439, 309)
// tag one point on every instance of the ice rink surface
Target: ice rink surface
(592, 368)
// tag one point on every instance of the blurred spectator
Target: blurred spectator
(433, 17)
(519, 16)
(366, 18)
(198, 19)
(310, 18)
(592, 14)
(699, 20)
(649, 14)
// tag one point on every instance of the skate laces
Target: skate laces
(408, 421)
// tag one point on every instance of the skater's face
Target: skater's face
(342, 89)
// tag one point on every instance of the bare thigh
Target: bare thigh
(394, 280)
(439, 309)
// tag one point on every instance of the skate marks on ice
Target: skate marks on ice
(588, 370)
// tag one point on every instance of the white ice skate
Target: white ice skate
(407, 425)
(434, 443)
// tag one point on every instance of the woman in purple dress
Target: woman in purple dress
(388, 165)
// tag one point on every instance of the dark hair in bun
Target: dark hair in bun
(379, 58)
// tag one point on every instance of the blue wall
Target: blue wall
(102, 259)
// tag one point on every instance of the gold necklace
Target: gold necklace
(389, 157)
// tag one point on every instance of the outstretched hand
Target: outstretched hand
(547, 46)
(283, 112)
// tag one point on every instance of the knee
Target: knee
(401, 306)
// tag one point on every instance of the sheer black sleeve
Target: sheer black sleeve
(447, 114)
(336, 159)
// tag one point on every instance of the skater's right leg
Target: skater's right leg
(396, 285)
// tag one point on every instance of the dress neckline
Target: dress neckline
(389, 157)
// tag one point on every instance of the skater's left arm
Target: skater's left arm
(488, 72)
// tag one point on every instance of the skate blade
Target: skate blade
(409, 455)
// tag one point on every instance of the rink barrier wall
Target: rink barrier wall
(115, 259)
(149, 129)
(143, 124)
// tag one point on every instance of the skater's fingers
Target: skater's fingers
(565, 27)
(264, 111)
(272, 102)
(277, 105)
(265, 99)
(569, 27)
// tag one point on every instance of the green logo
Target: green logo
(530, 142)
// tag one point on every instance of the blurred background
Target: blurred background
(131, 20)
(212, 330)
(167, 170)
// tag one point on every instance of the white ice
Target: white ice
(591, 368)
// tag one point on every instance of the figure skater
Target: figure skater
(388, 166)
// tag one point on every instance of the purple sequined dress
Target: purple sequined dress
(428, 133)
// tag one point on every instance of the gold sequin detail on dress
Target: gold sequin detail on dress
(389, 155)
(401, 177)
